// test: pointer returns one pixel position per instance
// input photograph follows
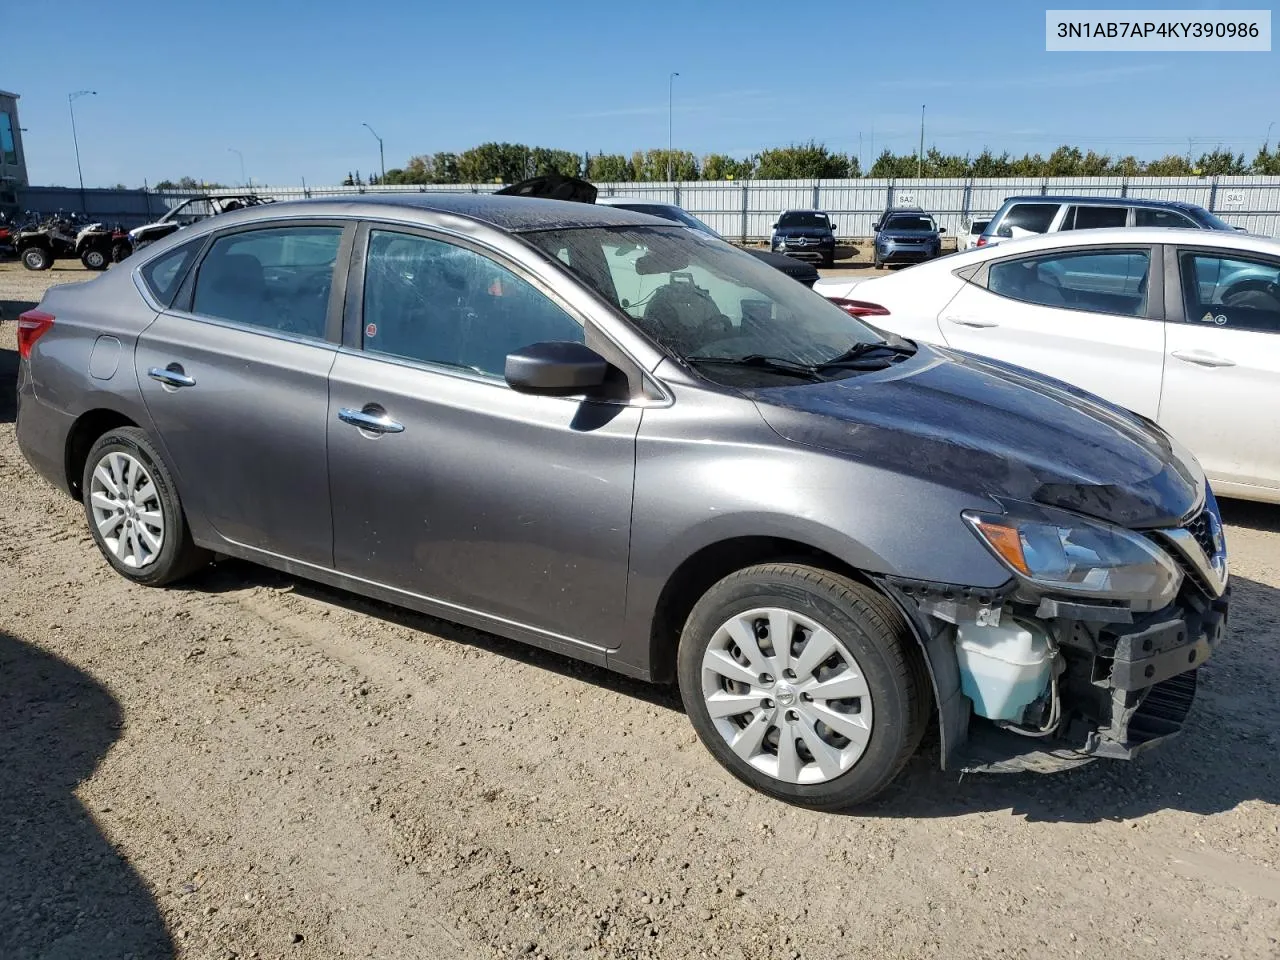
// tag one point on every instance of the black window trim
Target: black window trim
(1177, 312)
(1155, 307)
(181, 304)
(643, 389)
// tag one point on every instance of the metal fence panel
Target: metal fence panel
(746, 210)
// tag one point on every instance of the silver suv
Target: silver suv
(1030, 215)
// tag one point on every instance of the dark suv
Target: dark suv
(906, 235)
(806, 235)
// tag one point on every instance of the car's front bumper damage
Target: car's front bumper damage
(1125, 681)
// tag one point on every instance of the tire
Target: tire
(143, 557)
(120, 251)
(828, 260)
(872, 650)
(37, 258)
(95, 258)
(878, 265)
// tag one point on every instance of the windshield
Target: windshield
(1210, 220)
(909, 223)
(978, 226)
(804, 219)
(701, 297)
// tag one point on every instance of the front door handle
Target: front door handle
(171, 376)
(371, 420)
(971, 322)
(1203, 358)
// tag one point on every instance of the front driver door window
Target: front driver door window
(479, 502)
(1079, 316)
(1223, 366)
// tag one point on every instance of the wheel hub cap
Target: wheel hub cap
(787, 696)
(126, 510)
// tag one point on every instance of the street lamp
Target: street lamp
(243, 181)
(671, 86)
(71, 99)
(382, 158)
(920, 155)
(1267, 142)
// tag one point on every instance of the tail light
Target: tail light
(32, 325)
(859, 308)
(982, 242)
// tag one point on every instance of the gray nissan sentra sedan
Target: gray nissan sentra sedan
(616, 438)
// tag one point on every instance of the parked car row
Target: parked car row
(620, 438)
(1178, 326)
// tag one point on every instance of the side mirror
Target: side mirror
(555, 368)
(942, 229)
(773, 226)
(833, 228)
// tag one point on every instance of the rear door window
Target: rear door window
(1089, 218)
(1031, 217)
(277, 279)
(1112, 281)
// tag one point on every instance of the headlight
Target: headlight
(1063, 553)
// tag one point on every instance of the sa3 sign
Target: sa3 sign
(1233, 199)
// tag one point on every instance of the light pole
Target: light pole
(671, 87)
(243, 181)
(920, 155)
(71, 99)
(381, 156)
(1267, 142)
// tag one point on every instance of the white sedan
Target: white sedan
(1182, 327)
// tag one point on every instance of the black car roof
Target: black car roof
(1107, 201)
(513, 214)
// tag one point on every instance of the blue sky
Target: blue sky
(289, 83)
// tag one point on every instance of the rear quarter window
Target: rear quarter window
(1032, 217)
(163, 275)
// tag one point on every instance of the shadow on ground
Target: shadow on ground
(1223, 758)
(64, 891)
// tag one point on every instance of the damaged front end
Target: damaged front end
(1090, 650)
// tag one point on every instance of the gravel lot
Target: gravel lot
(252, 766)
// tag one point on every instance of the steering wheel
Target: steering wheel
(1254, 292)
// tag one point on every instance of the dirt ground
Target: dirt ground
(252, 766)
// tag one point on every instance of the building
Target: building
(13, 162)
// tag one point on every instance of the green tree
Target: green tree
(546, 161)
(652, 165)
(1171, 165)
(720, 166)
(889, 165)
(808, 161)
(1266, 161)
(1097, 165)
(987, 164)
(1063, 162)
(1221, 163)
(1029, 165)
(1129, 166)
(609, 168)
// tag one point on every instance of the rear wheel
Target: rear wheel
(37, 258)
(806, 685)
(133, 510)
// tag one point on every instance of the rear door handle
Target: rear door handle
(172, 376)
(1203, 359)
(373, 421)
(971, 322)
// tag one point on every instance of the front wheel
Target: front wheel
(134, 514)
(804, 684)
(37, 258)
(94, 259)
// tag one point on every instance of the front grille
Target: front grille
(1200, 529)
(1164, 710)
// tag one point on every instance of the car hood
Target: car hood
(802, 232)
(908, 234)
(997, 431)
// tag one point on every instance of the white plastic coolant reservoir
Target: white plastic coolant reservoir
(1002, 669)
